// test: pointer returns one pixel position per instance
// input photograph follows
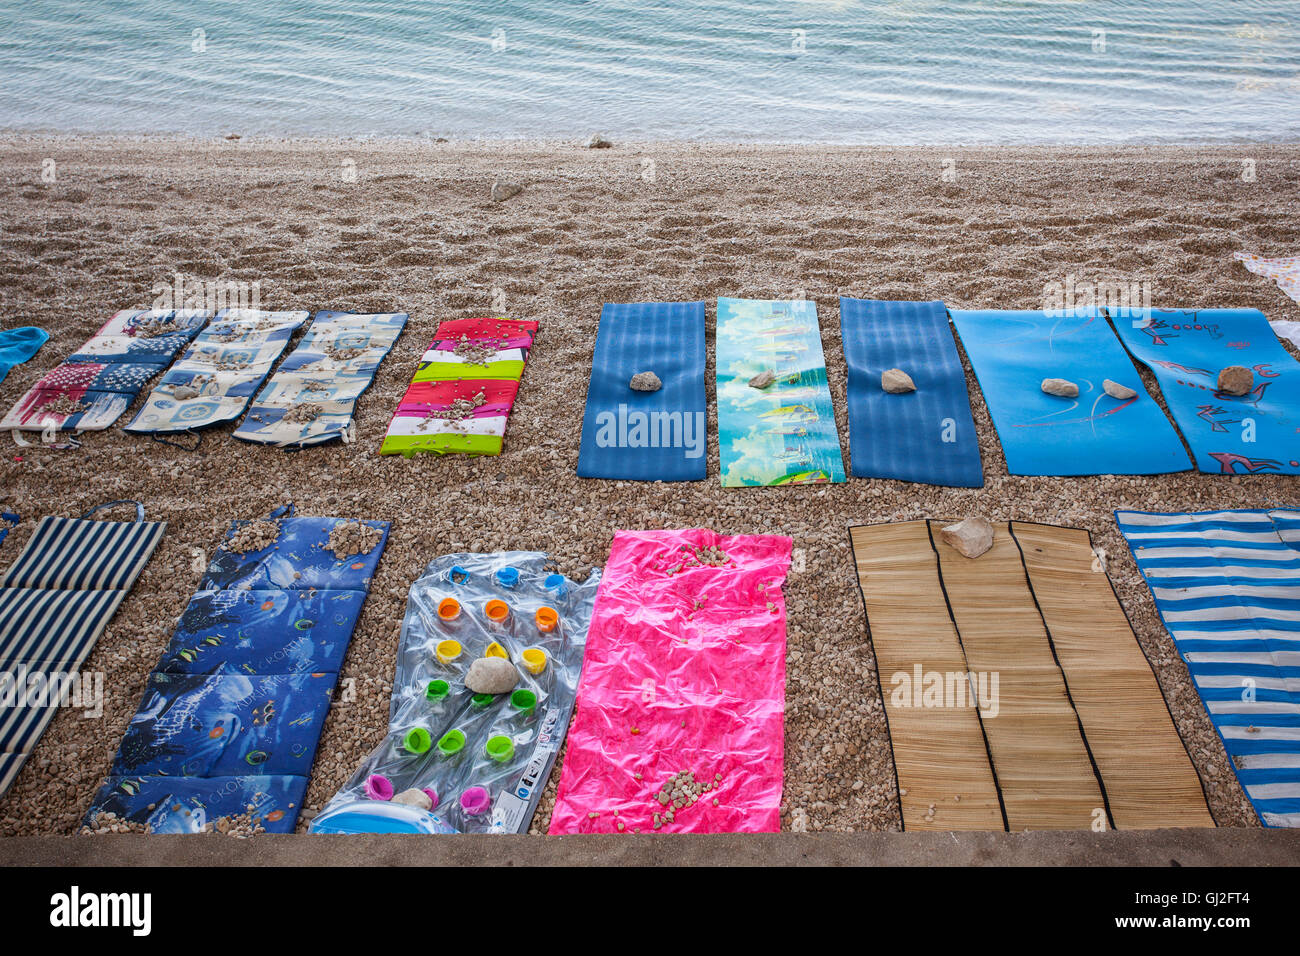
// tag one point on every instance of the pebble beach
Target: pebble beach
(91, 225)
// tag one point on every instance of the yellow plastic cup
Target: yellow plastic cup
(496, 650)
(534, 659)
(497, 611)
(447, 651)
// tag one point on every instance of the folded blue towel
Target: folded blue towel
(18, 345)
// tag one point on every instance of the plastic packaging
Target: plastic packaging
(526, 727)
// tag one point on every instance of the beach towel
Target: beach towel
(460, 398)
(1227, 587)
(681, 705)
(215, 378)
(227, 729)
(1287, 330)
(925, 436)
(1093, 434)
(310, 398)
(55, 601)
(1285, 271)
(93, 387)
(1016, 694)
(19, 345)
(646, 436)
(783, 433)
(1255, 433)
(505, 744)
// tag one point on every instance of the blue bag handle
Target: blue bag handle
(284, 511)
(139, 508)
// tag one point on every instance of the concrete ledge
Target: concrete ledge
(1221, 847)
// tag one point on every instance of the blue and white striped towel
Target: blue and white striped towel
(1227, 586)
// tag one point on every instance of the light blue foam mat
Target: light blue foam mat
(1093, 434)
(647, 436)
(1227, 587)
(1256, 433)
(926, 436)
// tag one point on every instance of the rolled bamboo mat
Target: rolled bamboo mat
(1039, 755)
(939, 751)
(1149, 779)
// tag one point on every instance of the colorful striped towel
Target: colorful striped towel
(460, 398)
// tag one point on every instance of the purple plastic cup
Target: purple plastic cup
(432, 795)
(475, 801)
(378, 787)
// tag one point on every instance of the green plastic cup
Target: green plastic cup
(451, 743)
(417, 740)
(437, 689)
(482, 700)
(523, 700)
(500, 748)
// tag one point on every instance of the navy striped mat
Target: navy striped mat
(54, 603)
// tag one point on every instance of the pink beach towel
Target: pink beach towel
(684, 673)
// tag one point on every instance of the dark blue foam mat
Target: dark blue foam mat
(647, 436)
(1093, 434)
(233, 713)
(1255, 433)
(926, 436)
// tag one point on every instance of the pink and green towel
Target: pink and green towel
(460, 398)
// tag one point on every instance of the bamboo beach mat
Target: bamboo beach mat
(1149, 779)
(940, 753)
(1039, 755)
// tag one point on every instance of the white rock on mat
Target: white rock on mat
(763, 379)
(1059, 386)
(1236, 380)
(184, 392)
(502, 191)
(971, 537)
(895, 381)
(491, 675)
(596, 141)
(1116, 390)
(646, 382)
(414, 798)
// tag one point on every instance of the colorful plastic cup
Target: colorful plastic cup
(475, 801)
(417, 740)
(482, 700)
(437, 689)
(497, 611)
(547, 619)
(534, 659)
(433, 797)
(524, 700)
(500, 748)
(557, 583)
(507, 577)
(378, 787)
(457, 575)
(451, 743)
(448, 609)
(447, 651)
(496, 650)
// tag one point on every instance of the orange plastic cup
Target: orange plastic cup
(547, 618)
(448, 609)
(497, 611)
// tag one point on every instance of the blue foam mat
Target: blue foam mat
(1093, 434)
(1256, 433)
(925, 436)
(647, 436)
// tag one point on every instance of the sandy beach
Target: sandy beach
(409, 226)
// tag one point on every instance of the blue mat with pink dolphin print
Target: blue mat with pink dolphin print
(1255, 433)
(1041, 434)
(230, 718)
